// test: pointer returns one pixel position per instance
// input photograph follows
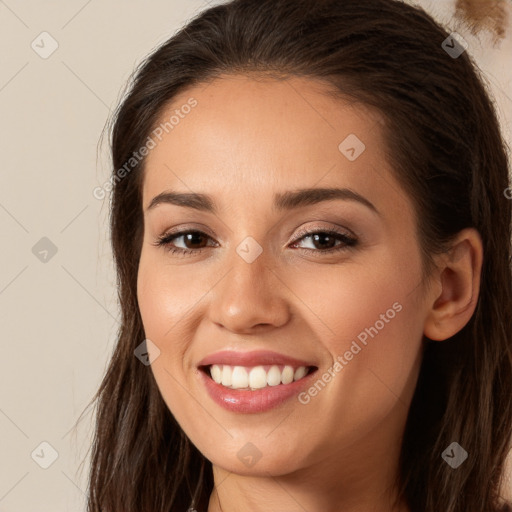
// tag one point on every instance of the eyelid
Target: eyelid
(187, 228)
(338, 229)
(298, 233)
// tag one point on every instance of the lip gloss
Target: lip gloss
(253, 401)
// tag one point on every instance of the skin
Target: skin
(246, 140)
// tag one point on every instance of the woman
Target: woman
(311, 229)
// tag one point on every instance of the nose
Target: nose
(250, 297)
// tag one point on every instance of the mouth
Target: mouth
(250, 378)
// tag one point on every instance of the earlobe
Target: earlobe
(459, 274)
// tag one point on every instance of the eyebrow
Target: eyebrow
(282, 201)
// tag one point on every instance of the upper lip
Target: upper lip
(254, 358)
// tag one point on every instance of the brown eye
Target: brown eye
(192, 239)
(325, 240)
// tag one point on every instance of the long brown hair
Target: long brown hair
(444, 142)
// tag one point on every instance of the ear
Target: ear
(458, 277)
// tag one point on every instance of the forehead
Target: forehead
(258, 136)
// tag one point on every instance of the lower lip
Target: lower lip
(259, 400)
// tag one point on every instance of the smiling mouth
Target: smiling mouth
(255, 377)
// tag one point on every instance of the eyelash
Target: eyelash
(165, 241)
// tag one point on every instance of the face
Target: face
(331, 282)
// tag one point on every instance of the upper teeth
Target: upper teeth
(238, 377)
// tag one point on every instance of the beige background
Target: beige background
(59, 316)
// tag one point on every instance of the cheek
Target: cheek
(166, 296)
(166, 304)
(370, 322)
(167, 301)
